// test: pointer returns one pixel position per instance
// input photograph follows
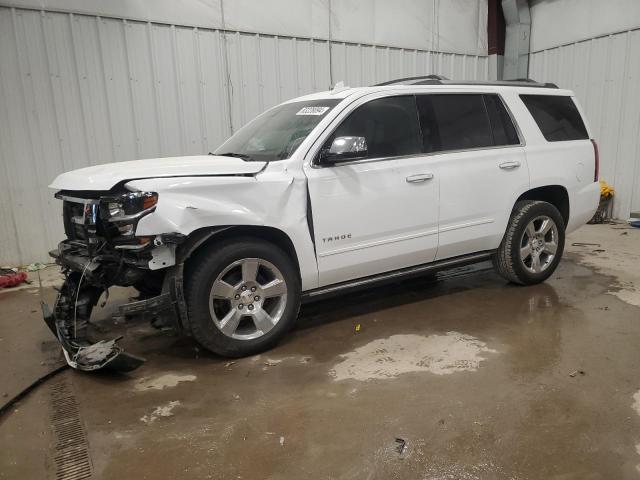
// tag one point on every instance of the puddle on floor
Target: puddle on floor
(161, 382)
(161, 411)
(387, 358)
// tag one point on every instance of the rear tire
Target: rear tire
(243, 296)
(533, 243)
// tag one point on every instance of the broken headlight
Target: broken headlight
(122, 213)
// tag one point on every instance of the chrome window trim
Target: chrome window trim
(415, 155)
(316, 164)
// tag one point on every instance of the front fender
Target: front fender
(277, 200)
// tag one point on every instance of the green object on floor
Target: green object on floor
(34, 267)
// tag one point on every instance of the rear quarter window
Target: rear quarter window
(557, 117)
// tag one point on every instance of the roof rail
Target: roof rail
(440, 80)
(411, 80)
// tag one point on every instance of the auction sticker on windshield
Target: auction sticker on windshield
(313, 111)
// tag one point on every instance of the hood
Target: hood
(103, 177)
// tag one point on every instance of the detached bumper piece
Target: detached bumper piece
(69, 324)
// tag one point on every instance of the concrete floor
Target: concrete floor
(483, 380)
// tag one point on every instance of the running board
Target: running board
(395, 275)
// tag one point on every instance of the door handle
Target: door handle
(419, 178)
(509, 165)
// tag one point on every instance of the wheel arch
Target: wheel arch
(556, 195)
(207, 237)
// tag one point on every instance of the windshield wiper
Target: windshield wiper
(243, 156)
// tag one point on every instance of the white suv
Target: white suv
(323, 193)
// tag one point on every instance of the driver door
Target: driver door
(380, 212)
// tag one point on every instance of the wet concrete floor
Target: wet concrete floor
(481, 379)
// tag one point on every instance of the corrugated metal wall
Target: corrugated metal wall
(604, 72)
(78, 90)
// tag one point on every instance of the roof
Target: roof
(440, 80)
(435, 83)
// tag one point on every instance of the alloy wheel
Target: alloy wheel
(248, 298)
(539, 244)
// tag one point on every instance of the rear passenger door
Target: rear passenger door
(481, 166)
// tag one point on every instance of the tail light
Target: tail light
(596, 173)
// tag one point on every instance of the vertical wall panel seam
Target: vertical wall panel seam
(588, 87)
(204, 131)
(330, 42)
(387, 62)
(464, 66)
(107, 65)
(361, 63)
(47, 55)
(605, 96)
(241, 81)
(223, 77)
(107, 103)
(178, 79)
(132, 88)
(10, 185)
(345, 70)
(296, 72)
(623, 106)
(227, 70)
(85, 124)
(636, 159)
(46, 154)
(162, 149)
(636, 168)
(259, 72)
(34, 156)
(278, 72)
(312, 47)
(573, 67)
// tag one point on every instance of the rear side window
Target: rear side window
(504, 133)
(454, 122)
(390, 126)
(556, 116)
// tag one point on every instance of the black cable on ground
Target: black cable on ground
(7, 406)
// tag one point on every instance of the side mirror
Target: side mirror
(344, 149)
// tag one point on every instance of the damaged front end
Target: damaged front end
(101, 250)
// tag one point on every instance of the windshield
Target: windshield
(276, 134)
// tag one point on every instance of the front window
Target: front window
(389, 125)
(277, 133)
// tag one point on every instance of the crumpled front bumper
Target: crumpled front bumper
(87, 356)
(78, 295)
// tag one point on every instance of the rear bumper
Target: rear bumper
(583, 204)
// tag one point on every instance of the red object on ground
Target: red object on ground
(12, 279)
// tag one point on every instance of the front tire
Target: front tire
(243, 296)
(533, 243)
